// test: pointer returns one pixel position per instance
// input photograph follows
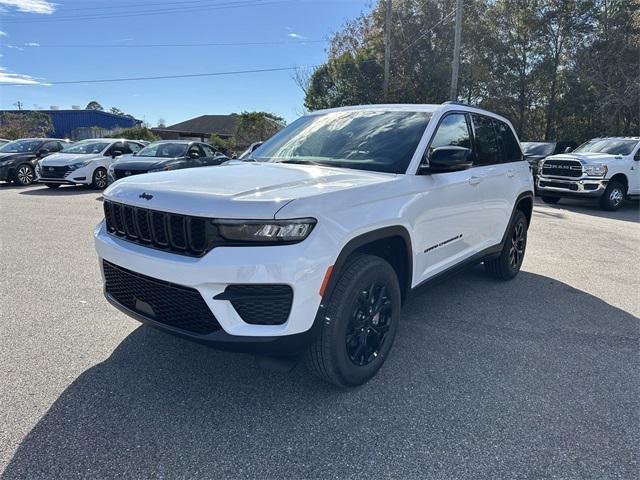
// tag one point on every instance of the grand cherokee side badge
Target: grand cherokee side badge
(145, 195)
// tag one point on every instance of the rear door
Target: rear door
(448, 223)
(500, 163)
(209, 155)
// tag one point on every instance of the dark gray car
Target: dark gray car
(166, 155)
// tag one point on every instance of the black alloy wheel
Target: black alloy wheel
(369, 325)
(99, 179)
(25, 175)
(518, 242)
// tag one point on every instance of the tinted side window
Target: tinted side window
(52, 146)
(486, 151)
(134, 147)
(452, 131)
(116, 146)
(196, 148)
(509, 147)
(209, 151)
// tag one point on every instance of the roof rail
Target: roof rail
(451, 102)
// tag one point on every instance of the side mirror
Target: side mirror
(194, 155)
(43, 152)
(448, 159)
(568, 150)
(116, 153)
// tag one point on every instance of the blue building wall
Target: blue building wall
(77, 124)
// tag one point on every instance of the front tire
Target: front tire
(100, 180)
(359, 324)
(551, 200)
(25, 175)
(508, 264)
(613, 197)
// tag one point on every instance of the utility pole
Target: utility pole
(455, 67)
(18, 104)
(387, 48)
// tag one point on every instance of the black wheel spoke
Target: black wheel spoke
(370, 322)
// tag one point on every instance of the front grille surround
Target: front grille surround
(180, 234)
(167, 303)
(562, 168)
(58, 173)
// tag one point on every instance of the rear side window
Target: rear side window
(134, 147)
(486, 151)
(507, 144)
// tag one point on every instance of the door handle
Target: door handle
(474, 180)
(511, 172)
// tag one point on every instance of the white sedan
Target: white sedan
(84, 163)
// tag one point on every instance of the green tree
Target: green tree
(256, 126)
(223, 145)
(93, 105)
(136, 133)
(26, 124)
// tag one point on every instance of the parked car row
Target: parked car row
(97, 162)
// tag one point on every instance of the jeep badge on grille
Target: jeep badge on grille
(145, 195)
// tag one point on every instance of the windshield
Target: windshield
(87, 146)
(538, 148)
(381, 141)
(20, 146)
(607, 145)
(164, 150)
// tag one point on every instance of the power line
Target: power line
(135, 5)
(220, 6)
(166, 45)
(427, 32)
(159, 77)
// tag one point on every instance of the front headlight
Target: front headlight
(598, 170)
(266, 231)
(75, 166)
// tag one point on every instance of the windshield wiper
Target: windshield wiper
(300, 161)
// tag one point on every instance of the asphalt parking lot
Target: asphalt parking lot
(535, 378)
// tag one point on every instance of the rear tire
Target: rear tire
(359, 324)
(613, 197)
(25, 175)
(99, 180)
(508, 264)
(53, 185)
(551, 200)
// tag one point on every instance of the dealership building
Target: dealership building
(78, 124)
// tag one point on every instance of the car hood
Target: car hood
(142, 163)
(15, 156)
(245, 191)
(62, 159)
(586, 158)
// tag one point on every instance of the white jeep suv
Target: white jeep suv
(604, 168)
(314, 246)
(84, 163)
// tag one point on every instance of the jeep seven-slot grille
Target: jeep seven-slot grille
(562, 168)
(175, 305)
(181, 234)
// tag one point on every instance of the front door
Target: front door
(449, 216)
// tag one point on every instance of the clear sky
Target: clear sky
(29, 30)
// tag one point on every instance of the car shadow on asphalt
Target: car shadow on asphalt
(628, 212)
(61, 191)
(529, 378)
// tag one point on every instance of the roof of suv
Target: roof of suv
(414, 107)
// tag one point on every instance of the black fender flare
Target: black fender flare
(364, 239)
(521, 197)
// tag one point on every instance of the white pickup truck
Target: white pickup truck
(605, 168)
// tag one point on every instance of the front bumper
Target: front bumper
(586, 187)
(80, 176)
(301, 266)
(6, 173)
